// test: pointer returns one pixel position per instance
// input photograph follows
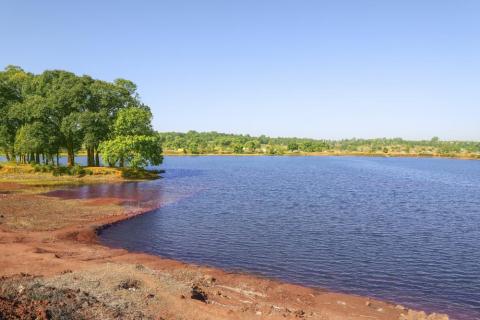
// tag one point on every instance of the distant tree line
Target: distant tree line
(57, 111)
(194, 142)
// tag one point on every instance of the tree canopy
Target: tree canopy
(135, 142)
(44, 114)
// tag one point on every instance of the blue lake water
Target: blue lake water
(399, 229)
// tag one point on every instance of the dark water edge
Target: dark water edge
(399, 229)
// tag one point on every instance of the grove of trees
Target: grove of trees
(42, 115)
(194, 142)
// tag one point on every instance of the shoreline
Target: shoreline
(58, 257)
(322, 154)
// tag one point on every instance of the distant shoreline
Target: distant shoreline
(332, 154)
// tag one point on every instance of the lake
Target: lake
(399, 229)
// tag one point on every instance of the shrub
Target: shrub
(42, 167)
(76, 170)
(58, 171)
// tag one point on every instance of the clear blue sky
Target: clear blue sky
(320, 69)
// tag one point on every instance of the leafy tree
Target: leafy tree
(133, 121)
(238, 148)
(292, 146)
(136, 151)
(71, 130)
(135, 143)
(31, 141)
(6, 141)
(252, 145)
(12, 83)
(95, 126)
(193, 147)
(41, 114)
(130, 88)
(66, 96)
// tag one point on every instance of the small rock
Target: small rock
(343, 303)
(380, 309)
(258, 313)
(129, 284)
(199, 294)
(299, 313)
(368, 303)
(20, 288)
(399, 307)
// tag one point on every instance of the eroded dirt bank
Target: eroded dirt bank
(52, 267)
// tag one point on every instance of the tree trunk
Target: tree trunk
(89, 157)
(97, 158)
(58, 162)
(122, 162)
(70, 157)
(92, 157)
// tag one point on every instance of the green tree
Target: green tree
(72, 133)
(31, 141)
(135, 143)
(13, 82)
(237, 148)
(67, 96)
(95, 126)
(133, 121)
(252, 145)
(135, 151)
(292, 146)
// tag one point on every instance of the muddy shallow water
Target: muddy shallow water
(405, 230)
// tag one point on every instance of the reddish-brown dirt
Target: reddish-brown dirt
(52, 266)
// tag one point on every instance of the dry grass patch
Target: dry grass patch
(28, 178)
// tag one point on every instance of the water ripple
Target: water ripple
(406, 230)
